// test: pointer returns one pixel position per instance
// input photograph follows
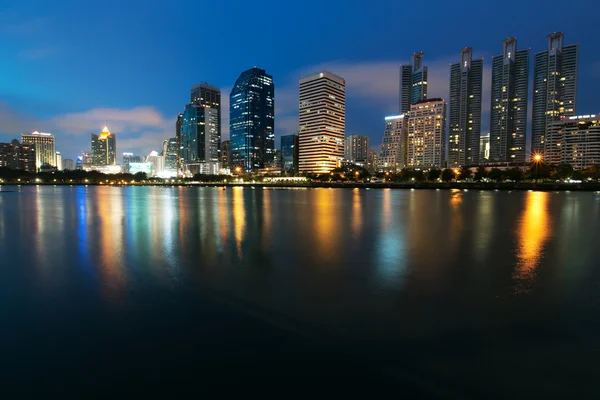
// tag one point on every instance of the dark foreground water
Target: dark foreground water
(143, 290)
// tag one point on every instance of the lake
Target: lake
(147, 290)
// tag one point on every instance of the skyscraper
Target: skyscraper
(426, 134)
(15, 155)
(322, 122)
(573, 140)
(484, 148)
(68, 164)
(554, 87)
(44, 147)
(466, 85)
(356, 149)
(178, 139)
(226, 154)
(170, 154)
(413, 82)
(59, 161)
(200, 139)
(252, 120)
(508, 114)
(289, 153)
(393, 145)
(104, 148)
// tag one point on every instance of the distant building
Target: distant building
(87, 160)
(15, 155)
(226, 154)
(178, 125)
(554, 88)
(252, 120)
(44, 147)
(68, 164)
(372, 163)
(484, 149)
(157, 162)
(169, 153)
(289, 153)
(322, 122)
(574, 140)
(413, 82)
(392, 156)
(508, 114)
(104, 148)
(356, 149)
(466, 88)
(426, 134)
(59, 161)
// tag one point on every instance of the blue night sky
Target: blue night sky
(68, 67)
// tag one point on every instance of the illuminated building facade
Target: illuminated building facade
(356, 149)
(322, 122)
(104, 148)
(426, 134)
(44, 147)
(15, 155)
(413, 82)
(554, 88)
(289, 153)
(466, 88)
(200, 140)
(252, 120)
(508, 114)
(392, 156)
(484, 148)
(573, 140)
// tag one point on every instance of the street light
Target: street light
(537, 158)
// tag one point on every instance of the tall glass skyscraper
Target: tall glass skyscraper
(554, 88)
(508, 114)
(252, 120)
(466, 85)
(170, 152)
(413, 82)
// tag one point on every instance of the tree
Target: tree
(481, 174)
(563, 171)
(447, 175)
(140, 176)
(465, 173)
(434, 174)
(592, 172)
(578, 175)
(406, 174)
(495, 174)
(513, 174)
(418, 175)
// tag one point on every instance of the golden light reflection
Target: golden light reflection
(239, 218)
(534, 230)
(455, 197)
(357, 212)
(223, 217)
(266, 216)
(386, 215)
(110, 211)
(326, 223)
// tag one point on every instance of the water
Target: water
(474, 294)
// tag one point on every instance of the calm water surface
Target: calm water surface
(451, 293)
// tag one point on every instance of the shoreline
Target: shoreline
(543, 186)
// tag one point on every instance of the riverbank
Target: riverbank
(541, 186)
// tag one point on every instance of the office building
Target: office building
(44, 148)
(356, 149)
(554, 88)
(484, 149)
(372, 162)
(226, 154)
(322, 122)
(413, 82)
(129, 158)
(104, 149)
(59, 161)
(200, 140)
(426, 134)
(289, 153)
(252, 120)
(157, 162)
(392, 156)
(19, 156)
(508, 113)
(170, 154)
(466, 86)
(68, 164)
(178, 125)
(573, 140)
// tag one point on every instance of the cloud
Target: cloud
(36, 53)
(134, 119)
(14, 25)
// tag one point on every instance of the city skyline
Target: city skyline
(142, 118)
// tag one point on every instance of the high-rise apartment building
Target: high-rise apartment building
(200, 140)
(356, 149)
(392, 156)
(426, 142)
(44, 147)
(289, 153)
(104, 148)
(322, 122)
(413, 82)
(573, 140)
(252, 120)
(554, 88)
(15, 155)
(372, 162)
(508, 114)
(466, 88)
